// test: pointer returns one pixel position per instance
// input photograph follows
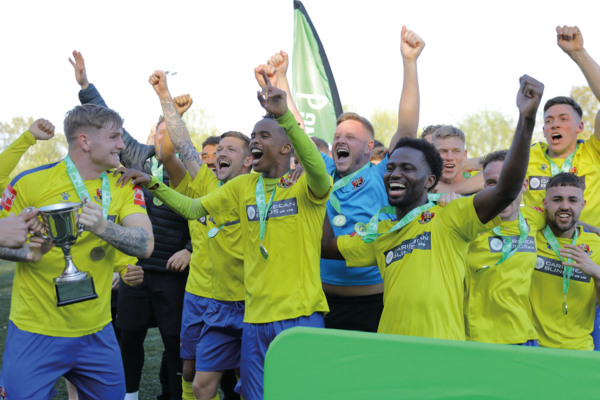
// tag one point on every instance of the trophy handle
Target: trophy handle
(40, 234)
(80, 227)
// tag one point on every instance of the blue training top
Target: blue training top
(359, 201)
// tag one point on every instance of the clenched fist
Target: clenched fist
(134, 275)
(271, 73)
(42, 129)
(529, 96)
(13, 232)
(158, 80)
(183, 103)
(281, 62)
(411, 45)
(569, 39)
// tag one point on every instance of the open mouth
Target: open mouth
(449, 167)
(397, 188)
(115, 155)
(223, 165)
(563, 216)
(555, 138)
(256, 155)
(343, 155)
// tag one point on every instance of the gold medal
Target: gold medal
(485, 268)
(97, 253)
(213, 232)
(360, 229)
(264, 251)
(339, 220)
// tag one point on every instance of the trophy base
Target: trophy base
(75, 292)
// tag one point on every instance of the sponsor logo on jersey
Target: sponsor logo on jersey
(426, 217)
(496, 244)
(138, 196)
(281, 208)
(540, 182)
(357, 182)
(585, 248)
(8, 198)
(554, 267)
(421, 242)
(285, 182)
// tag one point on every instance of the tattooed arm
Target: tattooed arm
(21, 254)
(177, 131)
(134, 237)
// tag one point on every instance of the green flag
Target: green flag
(313, 87)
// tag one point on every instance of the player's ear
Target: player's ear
(429, 182)
(286, 148)
(525, 184)
(370, 146)
(247, 162)
(84, 141)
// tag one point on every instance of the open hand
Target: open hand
(179, 261)
(411, 45)
(272, 99)
(529, 96)
(581, 259)
(42, 129)
(281, 62)
(272, 75)
(80, 73)
(134, 275)
(158, 80)
(136, 177)
(569, 39)
(13, 232)
(183, 103)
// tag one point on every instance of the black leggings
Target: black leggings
(132, 351)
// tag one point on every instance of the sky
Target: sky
(475, 52)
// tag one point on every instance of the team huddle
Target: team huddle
(225, 248)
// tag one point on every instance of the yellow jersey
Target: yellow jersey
(12, 155)
(423, 266)
(586, 164)
(288, 284)
(198, 282)
(571, 331)
(33, 302)
(497, 307)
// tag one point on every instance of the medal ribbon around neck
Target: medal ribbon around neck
(340, 183)
(157, 171)
(507, 249)
(371, 234)
(566, 167)
(82, 191)
(549, 235)
(263, 211)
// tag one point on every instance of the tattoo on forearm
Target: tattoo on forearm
(14, 254)
(178, 132)
(132, 241)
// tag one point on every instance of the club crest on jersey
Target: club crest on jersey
(573, 170)
(98, 196)
(585, 248)
(138, 196)
(426, 217)
(543, 167)
(539, 209)
(357, 182)
(285, 182)
(8, 197)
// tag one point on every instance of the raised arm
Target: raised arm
(177, 130)
(41, 129)
(491, 201)
(273, 100)
(168, 156)
(466, 186)
(570, 40)
(134, 237)
(135, 153)
(411, 46)
(281, 61)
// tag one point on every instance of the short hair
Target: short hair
(90, 115)
(564, 100)
(429, 130)
(161, 119)
(566, 179)
(241, 136)
(321, 144)
(351, 116)
(378, 153)
(448, 131)
(499, 155)
(211, 141)
(377, 144)
(281, 130)
(430, 153)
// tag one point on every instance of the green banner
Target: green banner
(313, 87)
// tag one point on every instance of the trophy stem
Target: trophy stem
(70, 273)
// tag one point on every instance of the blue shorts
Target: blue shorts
(192, 321)
(220, 345)
(255, 342)
(529, 343)
(33, 363)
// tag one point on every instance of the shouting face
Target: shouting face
(407, 178)
(561, 126)
(452, 150)
(268, 145)
(232, 157)
(351, 148)
(208, 156)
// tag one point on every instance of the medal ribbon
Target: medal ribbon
(566, 167)
(549, 235)
(82, 190)
(507, 250)
(372, 234)
(157, 170)
(340, 183)
(434, 197)
(263, 208)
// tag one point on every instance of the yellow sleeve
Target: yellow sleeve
(223, 203)
(204, 180)
(356, 252)
(535, 216)
(11, 156)
(122, 260)
(183, 185)
(133, 202)
(460, 216)
(591, 149)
